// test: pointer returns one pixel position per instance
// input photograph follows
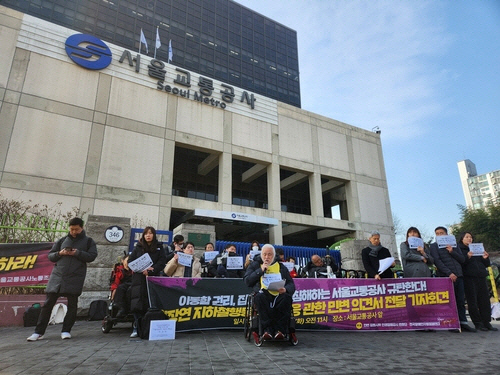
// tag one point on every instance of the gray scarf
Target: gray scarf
(374, 250)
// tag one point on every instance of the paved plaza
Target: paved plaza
(227, 352)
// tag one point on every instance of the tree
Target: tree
(483, 224)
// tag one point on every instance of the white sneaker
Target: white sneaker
(34, 337)
(134, 333)
(65, 335)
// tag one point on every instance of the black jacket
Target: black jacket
(446, 262)
(372, 263)
(218, 267)
(139, 302)
(68, 274)
(254, 273)
(474, 266)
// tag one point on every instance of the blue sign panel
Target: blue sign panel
(88, 51)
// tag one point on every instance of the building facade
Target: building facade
(479, 190)
(98, 126)
(219, 39)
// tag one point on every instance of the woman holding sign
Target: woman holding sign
(147, 246)
(476, 289)
(415, 256)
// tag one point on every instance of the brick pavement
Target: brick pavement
(227, 352)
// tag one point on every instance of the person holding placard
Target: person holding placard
(416, 258)
(448, 260)
(184, 264)
(476, 289)
(228, 264)
(254, 250)
(274, 288)
(206, 258)
(372, 255)
(147, 244)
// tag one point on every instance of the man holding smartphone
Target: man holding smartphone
(70, 255)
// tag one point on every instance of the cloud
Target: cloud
(368, 63)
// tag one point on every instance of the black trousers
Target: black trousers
(478, 299)
(69, 318)
(274, 311)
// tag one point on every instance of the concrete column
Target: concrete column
(274, 202)
(96, 284)
(316, 195)
(225, 181)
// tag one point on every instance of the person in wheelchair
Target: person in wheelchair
(274, 288)
(119, 287)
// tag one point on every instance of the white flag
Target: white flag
(158, 43)
(143, 40)
(170, 53)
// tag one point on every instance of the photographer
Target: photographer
(317, 268)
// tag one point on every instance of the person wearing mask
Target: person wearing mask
(254, 246)
(218, 266)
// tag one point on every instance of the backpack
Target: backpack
(144, 322)
(58, 313)
(98, 310)
(31, 314)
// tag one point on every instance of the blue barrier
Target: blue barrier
(301, 254)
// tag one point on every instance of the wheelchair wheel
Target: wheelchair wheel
(107, 324)
(256, 339)
(247, 323)
(293, 339)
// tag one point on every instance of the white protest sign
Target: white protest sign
(289, 265)
(477, 249)
(162, 330)
(444, 241)
(268, 279)
(210, 255)
(385, 264)
(234, 263)
(253, 253)
(185, 259)
(141, 263)
(415, 242)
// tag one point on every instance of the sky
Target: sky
(426, 73)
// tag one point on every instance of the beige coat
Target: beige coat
(174, 269)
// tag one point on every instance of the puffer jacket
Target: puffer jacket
(447, 263)
(68, 274)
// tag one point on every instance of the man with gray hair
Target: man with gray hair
(273, 300)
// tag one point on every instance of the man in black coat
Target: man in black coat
(70, 255)
(448, 261)
(273, 305)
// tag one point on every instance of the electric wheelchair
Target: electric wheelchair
(253, 328)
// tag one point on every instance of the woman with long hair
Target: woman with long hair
(476, 289)
(148, 243)
(416, 260)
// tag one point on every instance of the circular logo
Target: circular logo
(233, 216)
(359, 325)
(88, 51)
(114, 234)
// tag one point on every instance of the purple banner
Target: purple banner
(323, 304)
(25, 264)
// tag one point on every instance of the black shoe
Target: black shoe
(489, 327)
(480, 327)
(467, 328)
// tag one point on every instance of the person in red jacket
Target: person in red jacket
(120, 285)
